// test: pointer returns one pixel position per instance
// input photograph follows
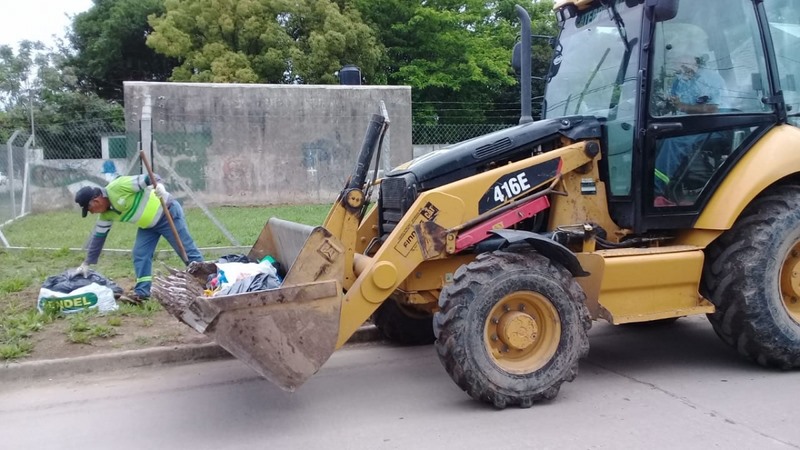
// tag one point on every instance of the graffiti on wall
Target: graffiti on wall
(237, 176)
(186, 152)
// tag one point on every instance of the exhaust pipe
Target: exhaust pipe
(525, 64)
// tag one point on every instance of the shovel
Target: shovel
(164, 207)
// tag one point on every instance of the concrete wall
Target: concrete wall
(253, 144)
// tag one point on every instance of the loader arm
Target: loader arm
(449, 207)
(346, 213)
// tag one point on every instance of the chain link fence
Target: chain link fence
(451, 133)
(14, 173)
(82, 139)
(61, 157)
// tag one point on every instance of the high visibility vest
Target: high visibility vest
(132, 202)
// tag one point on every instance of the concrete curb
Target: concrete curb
(31, 370)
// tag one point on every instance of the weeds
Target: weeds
(15, 350)
(78, 323)
(15, 284)
(101, 331)
(16, 328)
(79, 337)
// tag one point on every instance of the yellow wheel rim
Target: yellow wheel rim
(522, 332)
(790, 282)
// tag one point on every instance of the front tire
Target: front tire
(752, 276)
(512, 328)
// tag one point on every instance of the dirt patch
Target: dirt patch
(159, 330)
(130, 328)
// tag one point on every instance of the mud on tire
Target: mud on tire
(463, 328)
(743, 276)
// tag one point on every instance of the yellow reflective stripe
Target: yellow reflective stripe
(143, 279)
(147, 213)
(662, 176)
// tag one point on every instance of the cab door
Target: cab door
(707, 101)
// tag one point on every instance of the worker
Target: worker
(696, 89)
(132, 199)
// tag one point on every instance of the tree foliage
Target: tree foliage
(266, 41)
(35, 82)
(455, 54)
(109, 47)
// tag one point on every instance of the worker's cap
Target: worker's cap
(84, 196)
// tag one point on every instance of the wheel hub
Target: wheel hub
(790, 282)
(522, 332)
(517, 330)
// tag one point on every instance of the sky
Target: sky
(38, 20)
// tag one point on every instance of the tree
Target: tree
(456, 55)
(14, 71)
(35, 83)
(109, 47)
(264, 41)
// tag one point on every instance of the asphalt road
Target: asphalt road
(660, 387)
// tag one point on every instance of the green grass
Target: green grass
(23, 271)
(67, 229)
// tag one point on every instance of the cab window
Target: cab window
(784, 25)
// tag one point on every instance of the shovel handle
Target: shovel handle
(164, 207)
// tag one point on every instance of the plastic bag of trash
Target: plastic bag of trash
(260, 282)
(67, 281)
(91, 296)
(234, 257)
(230, 273)
(70, 293)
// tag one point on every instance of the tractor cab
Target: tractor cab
(684, 89)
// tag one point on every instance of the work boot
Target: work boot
(132, 299)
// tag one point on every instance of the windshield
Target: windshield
(594, 68)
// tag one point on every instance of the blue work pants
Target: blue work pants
(147, 239)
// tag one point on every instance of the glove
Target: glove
(82, 270)
(161, 191)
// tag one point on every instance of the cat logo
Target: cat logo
(408, 241)
(429, 212)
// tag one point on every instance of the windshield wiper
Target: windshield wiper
(612, 9)
(591, 78)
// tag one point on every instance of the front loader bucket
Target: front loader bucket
(285, 334)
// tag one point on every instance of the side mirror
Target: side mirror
(516, 54)
(662, 10)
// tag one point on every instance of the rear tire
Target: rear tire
(402, 326)
(512, 328)
(748, 276)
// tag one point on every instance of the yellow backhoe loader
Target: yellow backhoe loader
(662, 181)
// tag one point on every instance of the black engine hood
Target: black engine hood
(467, 158)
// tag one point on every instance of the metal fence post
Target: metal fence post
(26, 175)
(10, 169)
(146, 131)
